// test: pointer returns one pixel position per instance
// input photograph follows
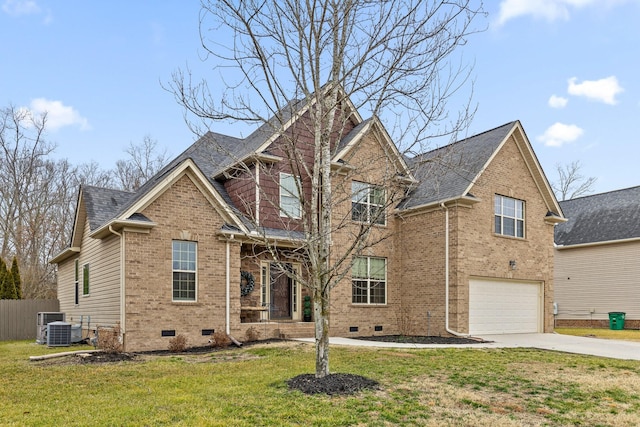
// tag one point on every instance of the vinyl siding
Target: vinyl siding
(103, 301)
(592, 281)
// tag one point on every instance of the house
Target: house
(596, 258)
(462, 238)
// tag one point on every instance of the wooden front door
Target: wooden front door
(281, 293)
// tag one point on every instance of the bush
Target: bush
(109, 339)
(252, 334)
(178, 343)
(220, 340)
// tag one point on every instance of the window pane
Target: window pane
(377, 268)
(377, 293)
(359, 212)
(377, 215)
(498, 205)
(359, 268)
(519, 209)
(509, 226)
(520, 231)
(359, 292)
(508, 207)
(377, 196)
(498, 221)
(289, 196)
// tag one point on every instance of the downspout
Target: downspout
(228, 287)
(122, 277)
(446, 274)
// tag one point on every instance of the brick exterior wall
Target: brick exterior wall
(475, 250)
(181, 213)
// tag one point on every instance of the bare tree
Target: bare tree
(393, 59)
(571, 183)
(143, 162)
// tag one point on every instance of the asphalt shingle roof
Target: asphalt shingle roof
(446, 172)
(600, 218)
(103, 204)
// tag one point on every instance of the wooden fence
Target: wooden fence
(18, 318)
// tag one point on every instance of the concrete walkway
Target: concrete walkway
(628, 350)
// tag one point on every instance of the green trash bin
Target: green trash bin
(616, 320)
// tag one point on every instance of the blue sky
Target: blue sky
(567, 69)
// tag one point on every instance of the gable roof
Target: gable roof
(102, 204)
(449, 173)
(599, 218)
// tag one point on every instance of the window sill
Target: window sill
(189, 303)
(504, 236)
(365, 305)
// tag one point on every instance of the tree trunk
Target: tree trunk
(321, 311)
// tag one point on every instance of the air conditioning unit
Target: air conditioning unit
(58, 334)
(44, 318)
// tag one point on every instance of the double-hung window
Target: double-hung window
(289, 196)
(184, 270)
(369, 280)
(367, 203)
(509, 216)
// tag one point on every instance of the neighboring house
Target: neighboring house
(466, 239)
(597, 259)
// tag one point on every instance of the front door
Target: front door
(281, 292)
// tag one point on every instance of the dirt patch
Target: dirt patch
(99, 357)
(332, 384)
(421, 339)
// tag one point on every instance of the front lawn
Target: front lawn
(247, 387)
(622, 334)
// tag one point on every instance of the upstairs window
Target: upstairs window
(184, 270)
(369, 280)
(367, 203)
(509, 216)
(289, 196)
(85, 279)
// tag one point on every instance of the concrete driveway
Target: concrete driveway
(566, 343)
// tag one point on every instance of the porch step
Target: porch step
(296, 330)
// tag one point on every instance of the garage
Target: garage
(504, 307)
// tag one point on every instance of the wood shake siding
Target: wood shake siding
(103, 301)
(592, 281)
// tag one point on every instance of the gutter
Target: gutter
(446, 275)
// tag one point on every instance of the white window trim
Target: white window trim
(195, 296)
(86, 267)
(283, 212)
(368, 279)
(515, 219)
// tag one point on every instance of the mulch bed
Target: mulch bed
(332, 384)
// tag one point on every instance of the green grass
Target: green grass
(622, 334)
(246, 387)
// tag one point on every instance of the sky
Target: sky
(567, 69)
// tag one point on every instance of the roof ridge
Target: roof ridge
(602, 194)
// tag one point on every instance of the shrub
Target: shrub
(178, 343)
(109, 339)
(220, 340)
(252, 334)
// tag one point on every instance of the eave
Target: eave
(65, 254)
(119, 225)
(466, 201)
(603, 243)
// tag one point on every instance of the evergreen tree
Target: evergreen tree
(14, 275)
(4, 285)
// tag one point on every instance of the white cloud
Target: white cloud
(550, 10)
(20, 7)
(557, 101)
(604, 90)
(58, 114)
(559, 134)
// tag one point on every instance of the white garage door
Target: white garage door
(501, 307)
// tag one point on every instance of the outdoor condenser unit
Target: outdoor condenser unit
(44, 318)
(58, 334)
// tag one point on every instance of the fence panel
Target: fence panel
(18, 318)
